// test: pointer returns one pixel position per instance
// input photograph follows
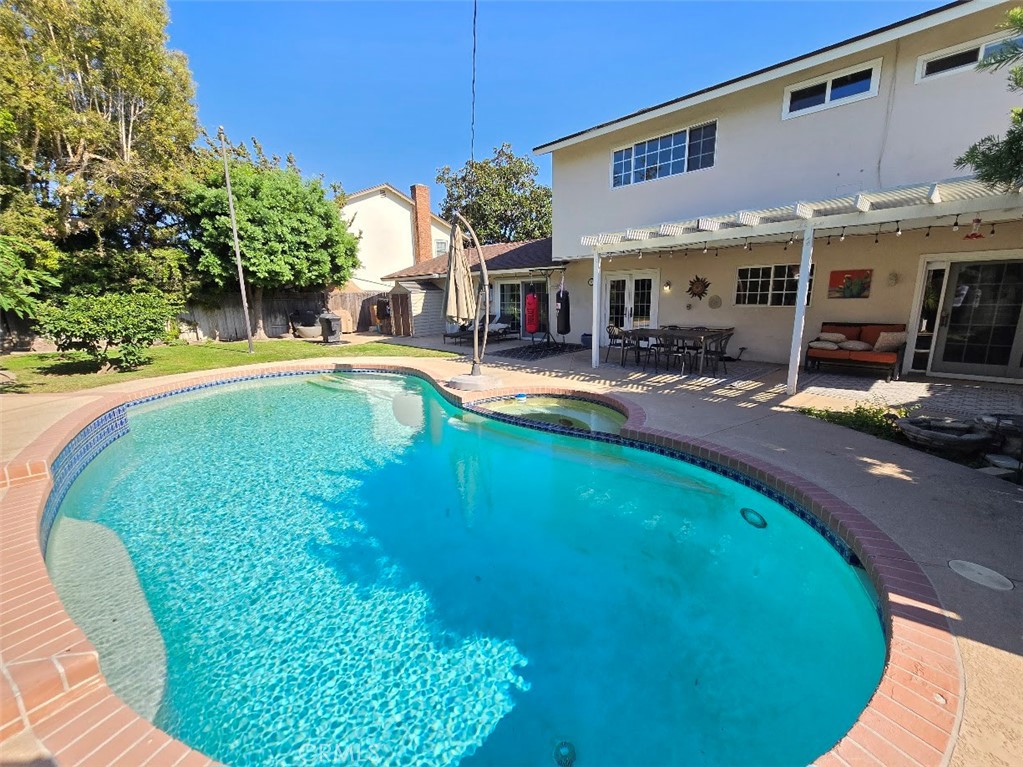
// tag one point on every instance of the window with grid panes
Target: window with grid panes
(775, 285)
(668, 155)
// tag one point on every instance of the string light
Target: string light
(955, 226)
(746, 246)
(687, 252)
(898, 229)
(829, 239)
(792, 239)
(928, 232)
(704, 247)
(878, 234)
(842, 238)
(992, 233)
(715, 252)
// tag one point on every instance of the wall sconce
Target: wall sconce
(667, 286)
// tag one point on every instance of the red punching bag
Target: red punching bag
(532, 313)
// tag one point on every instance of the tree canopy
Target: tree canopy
(998, 161)
(291, 234)
(499, 196)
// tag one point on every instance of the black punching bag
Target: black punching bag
(564, 320)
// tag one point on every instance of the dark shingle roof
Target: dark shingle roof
(501, 257)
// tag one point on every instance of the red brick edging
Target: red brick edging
(51, 682)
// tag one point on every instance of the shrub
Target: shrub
(871, 418)
(131, 322)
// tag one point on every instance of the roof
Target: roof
(908, 207)
(852, 45)
(500, 257)
(397, 193)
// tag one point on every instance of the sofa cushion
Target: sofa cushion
(851, 332)
(835, 338)
(856, 346)
(822, 345)
(828, 354)
(870, 333)
(877, 358)
(890, 342)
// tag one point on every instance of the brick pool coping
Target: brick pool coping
(51, 680)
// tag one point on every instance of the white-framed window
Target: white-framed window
(771, 285)
(440, 247)
(668, 155)
(835, 89)
(960, 58)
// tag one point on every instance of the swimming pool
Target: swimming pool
(569, 412)
(328, 568)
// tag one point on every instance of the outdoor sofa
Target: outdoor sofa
(866, 346)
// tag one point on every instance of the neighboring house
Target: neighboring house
(514, 269)
(833, 162)
(395, 231)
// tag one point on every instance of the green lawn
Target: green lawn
(55, 372)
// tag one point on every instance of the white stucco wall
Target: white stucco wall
(909, 133)
(385, 224)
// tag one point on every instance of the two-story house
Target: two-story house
(835, 167)
(395, 231)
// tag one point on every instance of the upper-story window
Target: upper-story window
(440, 247)
(961, 58)
(668, 155)
(842, 87)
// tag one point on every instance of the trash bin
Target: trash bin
(587, 340)
(330, 325)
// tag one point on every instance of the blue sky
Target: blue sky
(366, 92)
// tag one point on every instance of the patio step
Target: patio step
(1009, 462)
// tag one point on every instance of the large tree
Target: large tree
(291, 234)
(499, 196)
(999, 160)
(96, 125)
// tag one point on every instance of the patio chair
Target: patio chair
(715, 350)
(617, 340)
(661, 345)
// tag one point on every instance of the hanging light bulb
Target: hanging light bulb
(898, 229)
(687, 252)
(715, 252)
(792, 239)
(955, 226)
(704, 247)
(842, 238)
(746, 246)
(786, 246)
(878, 234)
(928, 232)
(640, 256)
(751, 247)
(992, 232)
(829, 239)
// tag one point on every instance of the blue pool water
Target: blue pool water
(346, 570)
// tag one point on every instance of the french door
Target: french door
(980, 320)
(630, 300)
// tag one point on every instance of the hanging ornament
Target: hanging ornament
(975, 232)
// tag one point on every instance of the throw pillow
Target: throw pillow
(855, 346)
(889, 342)
(835, 338)
(823, 345)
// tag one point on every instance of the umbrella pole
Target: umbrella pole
(477, 351)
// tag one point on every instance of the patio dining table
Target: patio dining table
(698, 335)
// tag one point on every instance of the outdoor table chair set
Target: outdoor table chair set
(687, 348)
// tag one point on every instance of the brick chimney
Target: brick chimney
(422, 241)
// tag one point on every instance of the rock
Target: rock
(1003, 461)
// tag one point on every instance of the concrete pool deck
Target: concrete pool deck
(929, 710)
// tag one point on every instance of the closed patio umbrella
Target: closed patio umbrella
(459, 294)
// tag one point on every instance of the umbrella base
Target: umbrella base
(469, 382)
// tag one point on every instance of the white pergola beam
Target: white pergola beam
(638, 234)
(708, 225)
(804, 210)
(749, 218)
(934, 195)
(862, 204)
(906, 215)
(674, 230)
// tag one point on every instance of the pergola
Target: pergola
(909, 207)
